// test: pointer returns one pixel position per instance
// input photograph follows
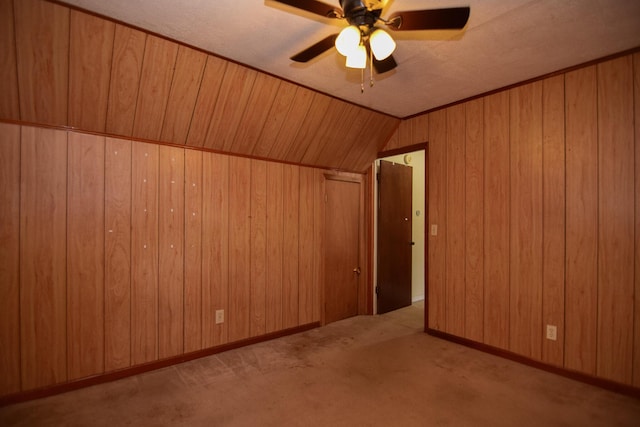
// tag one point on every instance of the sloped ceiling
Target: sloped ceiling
(505, 42)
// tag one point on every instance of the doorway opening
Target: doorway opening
(384, 281)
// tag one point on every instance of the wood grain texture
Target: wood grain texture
(615, 220)
(291, 233)
(334, 122)
(85, 255)
(117, 271)
(9, 258)
(437, 217)
(239, 315)
(496, 219)
(193, 237)
(171, 252)
(420, 129)
(186, 82)
(155, 85)
(286, 136)
(455, 230)
(311, 125)
(215, 247)
(636, 346)
(351, 122)
(90, 53)
(318, 237)
(144, 253)
(553, 190)
(276, 119)
(9, 101)
(581, 267)
(275, 245)
(474, 220)
(42, 40)
(526, 220)
(258, 241)
(43, 308)
(306, 247)
(126, 64)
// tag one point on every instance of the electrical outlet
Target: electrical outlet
(552, 332)
(219, 316)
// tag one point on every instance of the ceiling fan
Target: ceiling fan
(362, 38)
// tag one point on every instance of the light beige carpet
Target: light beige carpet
(364, 371)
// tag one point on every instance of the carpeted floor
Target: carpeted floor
(364, 371)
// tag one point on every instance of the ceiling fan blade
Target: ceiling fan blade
(311, 52)
(454, 18)
(385, 65)
(313, 6)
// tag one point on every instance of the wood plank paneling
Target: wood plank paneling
(474, 220)
(171, 252)
(85, 255)
(239, 248)
(126, 64)
(318, 237)
(437, 219)
(306, 246)
(43, 308)
(9, 101)
(337, 146)
(117, 286)
(636, 346)
(193, 237)
(496, 219)
(334, 122)
(297, 111)
(215, 247)
(155, 85)
(553, 159)
(615, 220)
(42, 40)
(581, 265)
(90, 54)
(187, 79)
(420, 129)
(144, 253)
(277, 117)
(526, 220)
(258, 241)
(9, 258)
(309, 128)
(275, 245)
(455, 208)
(291, 232)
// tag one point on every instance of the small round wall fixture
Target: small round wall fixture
(407, 159)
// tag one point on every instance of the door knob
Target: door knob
(356, 270)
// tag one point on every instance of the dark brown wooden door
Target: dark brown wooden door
(342, 272)
(394, 236)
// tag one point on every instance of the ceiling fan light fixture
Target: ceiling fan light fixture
(357, 58)
(382, 45)
(348, 40)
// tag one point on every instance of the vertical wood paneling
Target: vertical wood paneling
(615, 220)
(636, 347)
(310, 126)
(193, 251)
(239, 248)
(85, 256)
(215, 247)
(319, 142)
(277, 117)
(297, 111)
(290, 291)
(9, 102)
(144, 253)
(275, 245)
(186, 82)
(474, 220)
(455, 247)
(420, 129)
(90, 53)
(306, 246)
(9, 258)
(128, 52)
(496, 219)
(155, 84)
(43, 208)
(42, 40)
(205, 104)
(171, 252)
(337, 146)
(318, 237)
(258, 247)
(117, 286)
(581, 266)
(553, 216)
(526, 220)
(437, 218)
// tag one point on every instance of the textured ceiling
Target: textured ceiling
(504, 42)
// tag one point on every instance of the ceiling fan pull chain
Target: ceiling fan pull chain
(370, 68)
(362, 80)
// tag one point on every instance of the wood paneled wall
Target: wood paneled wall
(117, 253)
(535, 194)
(63, 67)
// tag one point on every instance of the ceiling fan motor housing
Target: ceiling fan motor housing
(356, 13)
